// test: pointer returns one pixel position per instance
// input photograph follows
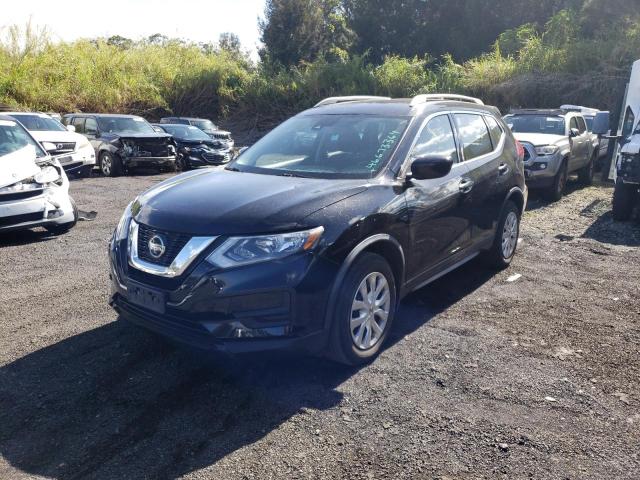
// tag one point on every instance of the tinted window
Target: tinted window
(78, 122)
(39, 122)
(581, 125)
(326, 146)
(91, 126)
(124, 125)
(473, 135)
(436, 139)
(204, 124)
(495, 130)
(629, 120)
(187, 132)
(13, 137)
(535, 124)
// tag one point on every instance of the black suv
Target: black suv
(207, 126)
(123, 142)
(312, 236)
(195, 148)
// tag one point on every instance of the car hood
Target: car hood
(221, 202)
(539, 139)
(18, 166)
(135, 136)
(56, 136)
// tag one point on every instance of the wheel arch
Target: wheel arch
(515, 195)
(382, 244)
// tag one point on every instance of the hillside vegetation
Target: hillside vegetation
(574, 57)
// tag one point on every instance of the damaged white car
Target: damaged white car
(34, 190)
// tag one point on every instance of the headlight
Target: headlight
(546, 150)
(122, 230)
(238, 251)
(48, 174)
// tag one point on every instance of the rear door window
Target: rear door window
(78, 122)
(437, 139)
(473, 135)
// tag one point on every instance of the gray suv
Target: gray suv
(557, 144)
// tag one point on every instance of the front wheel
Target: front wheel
(556, 190)
(624, 197)
(364, 312)
(505, 242)
(585, 174)
(110, 165)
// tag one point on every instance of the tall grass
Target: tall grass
(527, 67)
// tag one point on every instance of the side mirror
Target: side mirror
(574, 132)
(71, 128)
(49, 147)
(426, 168)
(601, 123)
(157, 129)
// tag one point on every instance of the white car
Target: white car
(34, 189)
(72, 150)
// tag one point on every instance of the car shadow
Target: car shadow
(119, 402)
(24, 237)
(607, 230)
(536, 198)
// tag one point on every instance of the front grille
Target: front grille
(216, 157)
(14, 196)
(146, 148)
(18, 219)
(221, 136)
(173, 242)
(65, 147)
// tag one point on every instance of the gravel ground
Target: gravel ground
(482, 378)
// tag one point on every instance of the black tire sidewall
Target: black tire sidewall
(623, 201)
(343, 348)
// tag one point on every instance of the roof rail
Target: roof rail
(352, 98)
(434, 97)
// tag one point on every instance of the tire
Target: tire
(181, 164)
(110, 165)
(556, 190)
(65, 227)
(624, 197)
(353, 344)
(505, 243)
(585, 174)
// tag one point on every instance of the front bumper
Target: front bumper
(149, 161)
(52, 207)
(201, 159)
(83, 157)
(266, 306)
(540, 171)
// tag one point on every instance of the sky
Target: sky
(196, 20)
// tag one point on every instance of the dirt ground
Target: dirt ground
(483, 378)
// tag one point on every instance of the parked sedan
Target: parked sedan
(195, 148)
(312, 236)
(207, 126)
(34, 190)
(73, 151)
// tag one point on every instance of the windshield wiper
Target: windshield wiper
(289, 174)
(232, 169)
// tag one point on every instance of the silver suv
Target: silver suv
(557, 144)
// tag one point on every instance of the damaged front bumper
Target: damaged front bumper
(50, 205)
(149, 161)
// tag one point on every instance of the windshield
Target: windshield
(124, 125)
(204, 124)
(13, 137)
(39, 122)
(326, 146)
(535, 124)
(186, 132)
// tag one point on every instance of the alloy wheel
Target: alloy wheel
(105, 165)
(370, 311)
(510, 235)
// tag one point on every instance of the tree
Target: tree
(230, 42)
(302, 30)
(120, 42)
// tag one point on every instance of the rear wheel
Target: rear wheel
(585, 174)
(364, 312)
(556, 190)
(624, 197)
(505, 242)
(110, 165)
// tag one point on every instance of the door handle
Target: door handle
(466, 185)
(503, 169)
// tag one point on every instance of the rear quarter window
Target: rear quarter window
(495, 131)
